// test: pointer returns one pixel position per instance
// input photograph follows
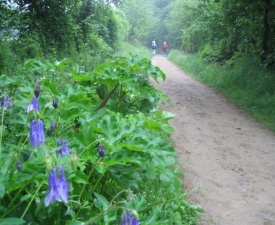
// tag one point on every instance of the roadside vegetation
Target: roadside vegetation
(126, 49)
(82, 140)
(241, 80)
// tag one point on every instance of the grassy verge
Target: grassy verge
(127, 48)
(240, 80)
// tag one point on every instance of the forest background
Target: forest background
(218, 30)
(230, 45)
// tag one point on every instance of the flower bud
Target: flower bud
(135, 213)
(48, 163)
(101, 150)
(55, 103)
(74, 160)
(37, 90)
(26, 156)
(19, 166)
(52, 127)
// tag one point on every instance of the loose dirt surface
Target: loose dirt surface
(227, 158)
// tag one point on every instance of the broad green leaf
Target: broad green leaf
(164, 115)
(12, 221)
(80, 177)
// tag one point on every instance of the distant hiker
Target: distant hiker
(164, 48)
(154, 47)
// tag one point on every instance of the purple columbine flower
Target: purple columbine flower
(101, 150)
(34, 105)
(52, 127)
(58, 187)
(37, 133)
(129, 219)
(64, 150)
(36, 90)
(5, 102)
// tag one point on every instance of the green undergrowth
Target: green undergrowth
(126, 48)
(240, 80)
(102, 128)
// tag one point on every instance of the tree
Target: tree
(140, 15)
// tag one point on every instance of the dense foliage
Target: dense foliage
(80, 147)
(218, 30)
(58, 29)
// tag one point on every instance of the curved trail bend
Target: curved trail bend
(227, 158)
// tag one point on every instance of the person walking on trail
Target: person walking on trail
(154, 47)
(164, 48)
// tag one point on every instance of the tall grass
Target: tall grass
(240, 80)
(125, 49)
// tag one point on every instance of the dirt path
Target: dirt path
(228, 159)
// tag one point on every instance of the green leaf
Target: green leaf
(25, 197)
(164, 115)
(102, 200)
(12, 221)
(52, 88)
(80, 177)
(76, 223)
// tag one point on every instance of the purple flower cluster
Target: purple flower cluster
(64, 150)
(5, 102)
(37, 133)
(129, 219)
(58, 187)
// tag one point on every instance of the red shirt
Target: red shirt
(164, 47)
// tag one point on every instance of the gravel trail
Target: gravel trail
(227, 158)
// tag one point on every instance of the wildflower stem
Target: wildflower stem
(88, 147)
(26, 210)
(2, 128)
(83, 188)
(11, 206)
(106, 210)
(97, 182)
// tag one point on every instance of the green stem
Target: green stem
(10, 206)
(111, 182)
(106, 210)
(84, 186)
(104, 182)
(26, 210)
(2, 127)
(97, 182)
(88, 147)
(105, 100)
